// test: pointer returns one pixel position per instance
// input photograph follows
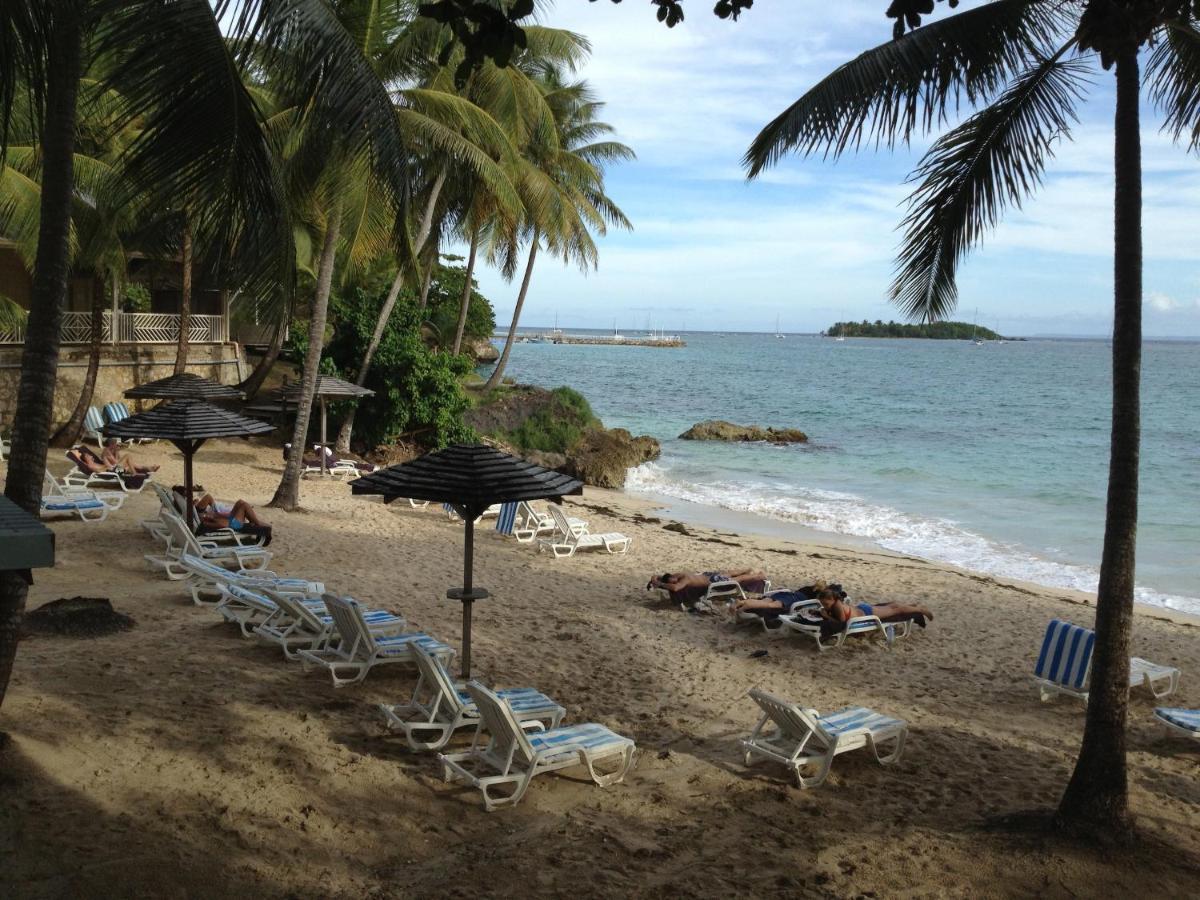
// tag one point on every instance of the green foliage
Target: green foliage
(445, 294)
(940, 331)
(556, 427)
(418, 390)
(135, 297)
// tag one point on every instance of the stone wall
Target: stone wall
(121, 367)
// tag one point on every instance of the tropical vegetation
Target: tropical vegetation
(1023, 66)
(938, 330)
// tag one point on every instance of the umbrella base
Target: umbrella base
(467, 596)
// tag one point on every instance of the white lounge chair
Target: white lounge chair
(439, 706)
(183, 541)
(1184, 721)
(53, 488)
(171, 505)
(204, 579)
(304, 625)
(453, 516)
(513, 758)
(89, 509)
(356, 651)
(1064, 665)
(93, 425)
(5, 447)
(566, 543)
(118, 412)
(531, 522)
(796, 622)
(800, 738)
(82, 477)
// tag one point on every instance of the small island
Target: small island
(938, 331)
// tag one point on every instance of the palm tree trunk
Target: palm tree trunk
(1096, 801)
(69, 433)
(253, 384)
(498, 373)
(51, 271)
(287, 495)
(185, 298)
(465, 302)
(342, 445)
(427, 280)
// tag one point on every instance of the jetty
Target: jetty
(616, 340)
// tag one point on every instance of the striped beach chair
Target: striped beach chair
(204, 579)
(512, 758)
(1064, 665)
(439, 707)
(804, 739)
(507, 520)
(93, 425)
(565, 543)
(356, 650)
(89, 509)
(116, 412)
(307, 625)
(1184, 721)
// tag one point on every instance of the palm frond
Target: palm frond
(911, 83)
(993, 159)
(1173, 77)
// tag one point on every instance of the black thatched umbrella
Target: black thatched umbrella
(470, 477)
(187, 424)
(185, 386)
(327, 386)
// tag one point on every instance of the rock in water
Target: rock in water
(720, 430)
(76, 617)
(602, 457)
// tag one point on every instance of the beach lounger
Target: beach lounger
(795, 622)
(418, 504)
(205, 578)
(800, 738)
(1184, 721)
(93, 425)
(183, 542)
(117, 412)
(89, 509)
(565, 543)
(86, 476)
(1064, 665)
(356, 651)
(249, 608)
(531, 522)
(453, 516)
(5, 447)
(439, 706)
(52, 487)
(304, 625)
(512, 758)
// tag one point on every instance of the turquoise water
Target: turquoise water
(990, 457)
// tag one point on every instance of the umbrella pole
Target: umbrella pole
(468, 566)
(324, 446)
(189, 508)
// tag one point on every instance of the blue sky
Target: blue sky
(813, 241)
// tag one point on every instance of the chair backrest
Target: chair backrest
(435, 673)
(348, 619)
(115, 412)
(164, 497)
(507, 520)
(182, 536)
(202, 567)
(1066, 654)
(297, 610)
(507, 734)
(561, 523)
(253, 599)
(799, 724)
(78, 460)
(93, 422)
(51, 486)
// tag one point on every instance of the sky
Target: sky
(813, 241)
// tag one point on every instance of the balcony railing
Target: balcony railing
(132, 328)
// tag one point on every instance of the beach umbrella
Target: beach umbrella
(185, 386)
(187, 424)
(327, 386)
(470, 477)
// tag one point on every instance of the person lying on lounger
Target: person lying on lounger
(116, 461)
(682, 581)
(836, 607)
(778, 602)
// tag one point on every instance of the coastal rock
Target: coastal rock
(556, 461)
(720, 430)
(603, 457)
(483, 350)
(509, 410)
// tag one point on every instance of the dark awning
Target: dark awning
(185, 386)
(186, 420)
(25, 543)
(329, 386)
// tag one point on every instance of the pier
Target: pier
(615, 340)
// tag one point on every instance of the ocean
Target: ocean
(993, 457)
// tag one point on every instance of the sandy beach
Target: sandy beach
(182, 760)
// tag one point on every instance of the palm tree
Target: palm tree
(1024, 65)
(571, 167)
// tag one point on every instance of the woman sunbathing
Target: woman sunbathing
(112, 457)
(682, 581)
(837, 608)
(778, 602)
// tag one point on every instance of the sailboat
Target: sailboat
(615, 336)
(778, 333)
(975, 328)
(839, 336)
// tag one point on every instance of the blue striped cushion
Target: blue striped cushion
(589, 736)
(399, 644)
(1066, 654)
(520, 699)
(853, 718)
(93, 422)
(1188, 719)
(65, 504)
(115, 412)
(507, 519)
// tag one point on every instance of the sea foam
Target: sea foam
(843, 513)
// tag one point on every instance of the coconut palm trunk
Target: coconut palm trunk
(498, 373)
(287, 495)
(73, 427)
(51, 271)
(427, 279)
(464, 302)
(185, 298)
(1097, 796)
(385, 313)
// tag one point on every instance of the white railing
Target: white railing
(132, 328)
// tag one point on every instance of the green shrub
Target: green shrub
(558, 426)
